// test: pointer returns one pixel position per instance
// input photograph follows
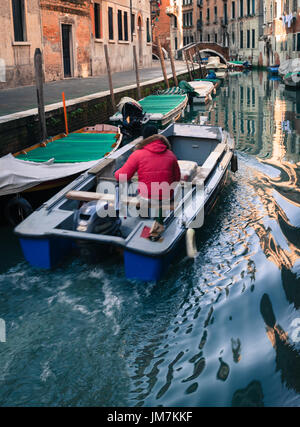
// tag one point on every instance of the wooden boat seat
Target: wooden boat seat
(90, 196)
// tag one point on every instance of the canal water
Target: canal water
(218, 331)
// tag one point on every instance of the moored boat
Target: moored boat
(292, 80)
(220, 68)
(205, 155)
(289, 66)
(26, 175)
(216, 82)
(204, 91)
(160, 109)
(273, 69)
(236, 65)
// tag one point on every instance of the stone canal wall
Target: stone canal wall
(23, 129)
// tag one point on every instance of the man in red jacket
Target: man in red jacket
(157, 168)
(154, 163)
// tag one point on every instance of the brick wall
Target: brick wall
(162, 26)
(75, 13)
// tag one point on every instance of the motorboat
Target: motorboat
(160, 108)
(92, 209)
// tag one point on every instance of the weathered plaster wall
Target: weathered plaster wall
(17, 57)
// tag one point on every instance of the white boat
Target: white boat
(289, 66)
(204, 91)
(220, 68)
(292, 80)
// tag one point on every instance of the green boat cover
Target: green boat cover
(171, 91)
(162, 104)
(186, 86)
(208, 80)
(292, 73)
(75, 147)
(237, 62)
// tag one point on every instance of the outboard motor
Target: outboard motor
(91, 218)
(133, 120)
(88, 219)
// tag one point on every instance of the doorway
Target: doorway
(66, 31)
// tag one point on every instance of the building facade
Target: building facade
(189, 21)
(72, 35)
(120, 24)
(166, 18)
(281, 36)
(214, 18)
(264, 32)
(75, 32)
(20, 35)
(245, 29)
(66, 29)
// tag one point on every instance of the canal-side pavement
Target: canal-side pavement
(23, 100)
(88, 102)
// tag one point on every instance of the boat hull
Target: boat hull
(148, 268)
(145, 268)
(273, 70)
(290, 84)
(45, 253)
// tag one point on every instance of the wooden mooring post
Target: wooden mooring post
(187, 64)
(162, 61)
(192, 62)
(137, 73)
(200, 63)
(113, 102)
(173, 65)
(39, 79)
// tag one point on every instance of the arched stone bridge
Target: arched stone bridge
(214, 48)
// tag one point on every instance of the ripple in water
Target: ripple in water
(217, 331)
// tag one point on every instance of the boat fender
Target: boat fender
(16, 210)
(191, 248)
(234, 163)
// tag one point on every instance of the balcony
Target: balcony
(200, 3)
(172, 10)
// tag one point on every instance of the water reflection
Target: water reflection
(287, 357)
(206, 335)
(251, 396)
(254, 226)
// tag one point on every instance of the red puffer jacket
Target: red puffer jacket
(155, 164)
